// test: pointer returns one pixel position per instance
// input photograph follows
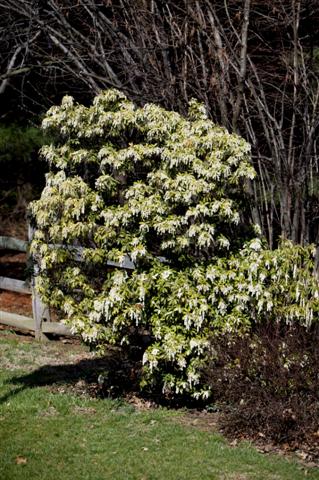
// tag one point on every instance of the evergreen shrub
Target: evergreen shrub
(22, 175)
(168, 193)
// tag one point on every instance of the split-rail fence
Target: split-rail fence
(40, 322)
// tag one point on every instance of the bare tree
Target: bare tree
(254, 63)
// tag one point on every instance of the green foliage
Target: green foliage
(21, 172)
(17, 143)
(169, 193)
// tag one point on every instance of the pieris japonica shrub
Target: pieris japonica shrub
(168, 194)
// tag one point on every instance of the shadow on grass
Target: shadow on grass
(110, 376)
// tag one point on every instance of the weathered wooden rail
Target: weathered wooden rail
(40, 322)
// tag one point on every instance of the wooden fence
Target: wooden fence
(40, 322)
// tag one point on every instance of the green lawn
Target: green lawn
(47, 433)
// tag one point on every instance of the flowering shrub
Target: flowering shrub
(167, 193)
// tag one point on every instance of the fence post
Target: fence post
(40, 311)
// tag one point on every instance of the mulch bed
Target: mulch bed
(19, 303)
(13, 265)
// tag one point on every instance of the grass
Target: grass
(47, 434)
